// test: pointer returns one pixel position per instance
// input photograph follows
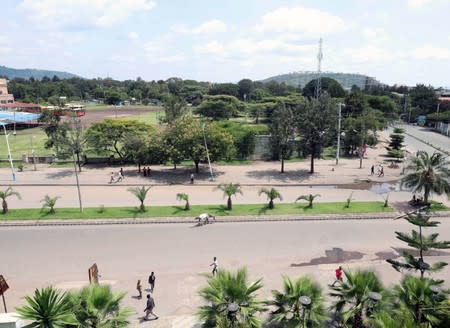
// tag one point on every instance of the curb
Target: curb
(179, 220)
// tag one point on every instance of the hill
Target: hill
(347, 80)
(38, 74)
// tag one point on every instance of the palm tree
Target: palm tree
(231, 289)
(309, 198)
(47, 308)
(230, 189)
(141, 194)
(289, 311)
(184, 197)
(97, 306)
(416, 300)
(4, 195)
(427, 174)
(49, 202)
(355, 296)
(271, 195)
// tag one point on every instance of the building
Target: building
(5, 97)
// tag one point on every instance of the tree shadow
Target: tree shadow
(60, 174)
(334, 255)
(274, 175)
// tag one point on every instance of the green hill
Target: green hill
(347, 80)
(38, 74)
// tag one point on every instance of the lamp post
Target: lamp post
(437, 114)
(339, 134)
(207, 154)
(9, 153)
(306, 305)
(32, 152)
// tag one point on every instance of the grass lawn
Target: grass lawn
(112, 107)
(149, 118)
(178, 211)
(21, 143)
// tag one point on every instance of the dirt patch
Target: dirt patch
(95, 115)
(335, 255)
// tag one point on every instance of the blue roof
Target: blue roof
(11, 117)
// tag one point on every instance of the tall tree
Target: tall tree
(174, 107)
(420, 243)
(428, 174)
(316, 120)
(282, 132)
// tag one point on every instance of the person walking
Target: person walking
(119, 177)
(381, 171)
(149, 307)
(338, 273)
(192, 178)
(111, 180)
(372, 170)
(151, 281)
(121, 172)
(139, 288)
(215, 266)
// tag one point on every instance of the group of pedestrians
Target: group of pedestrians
(116, 176)
(150, 304)
(146, 171)
(379, 168)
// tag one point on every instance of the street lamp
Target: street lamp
(339, 134)
(306, 305)
(207, 154)
(437, 114)
(9, 152)
(32, 151)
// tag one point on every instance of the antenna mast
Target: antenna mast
(318, 90)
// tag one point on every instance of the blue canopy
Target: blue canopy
(21, 117)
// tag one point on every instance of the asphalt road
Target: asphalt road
(180, 255)
(426, 134)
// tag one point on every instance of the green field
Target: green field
(177, 211)
(112, 107)
(21, 143)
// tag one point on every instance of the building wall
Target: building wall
(5, 97)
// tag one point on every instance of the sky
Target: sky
(395, 41)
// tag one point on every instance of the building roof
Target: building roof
(19, 105)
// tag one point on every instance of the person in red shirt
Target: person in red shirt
(338, 275)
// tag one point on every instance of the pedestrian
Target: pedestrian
(338, 273)
(149, 307)
(372, 170)
(144, 170)
(149, 171)
(151, 281)
(119, 177)
(381, 174)
(192, 178)
(139, 288)
(111, 180)
(215, 266)
(121, 172)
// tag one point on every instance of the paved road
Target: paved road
(438, 140)
(180, 255)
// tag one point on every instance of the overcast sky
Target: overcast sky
(395, 41)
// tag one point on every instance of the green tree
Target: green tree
(425, 98)
(428, 174)
(97, 306)
(289, 312)
(354, 296)
(421, 243)
(316, 120)
(141, 194)
(49, 202)
(230, 89)
(174, 107)
(230, 189)
(246, 87)
(108, 135)
(282, 132)
(329, 85)
(6, 194)
(309, 198)
(47, 308)
(271, 194)
(185, 198)
(227, 289)
(395, 148)
(219, 107)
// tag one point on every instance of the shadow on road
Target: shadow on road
(335, 255)
(273, 175)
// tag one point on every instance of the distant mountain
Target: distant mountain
(347, 80)
(38, 74)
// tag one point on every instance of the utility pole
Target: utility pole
(361, 149)
(207, 154)
(339, 133)
(318, 89)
